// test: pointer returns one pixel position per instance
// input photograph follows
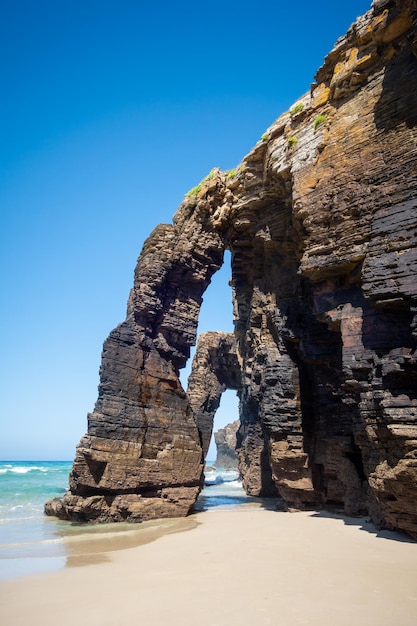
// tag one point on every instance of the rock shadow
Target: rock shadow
(367, 526)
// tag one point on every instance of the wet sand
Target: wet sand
(247, 566)
(71, 545)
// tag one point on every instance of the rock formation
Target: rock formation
(225, 439)
(321, 221)
(215, 369)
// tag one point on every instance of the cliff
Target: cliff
(320, 218)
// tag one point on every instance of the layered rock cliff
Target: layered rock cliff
(321, 221)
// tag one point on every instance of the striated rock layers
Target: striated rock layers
(215, 369)
(321, 221)
(225, 439)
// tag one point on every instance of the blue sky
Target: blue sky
(110, 112)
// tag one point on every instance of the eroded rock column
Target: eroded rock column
(142, 457)
(215, 369)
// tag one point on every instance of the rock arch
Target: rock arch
(142, 457)
(320, 218)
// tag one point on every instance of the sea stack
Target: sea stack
(321, 221)
(225, 440)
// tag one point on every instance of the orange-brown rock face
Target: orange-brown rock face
(321, 220)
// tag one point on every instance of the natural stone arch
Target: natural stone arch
(141, 457)
(321, 222)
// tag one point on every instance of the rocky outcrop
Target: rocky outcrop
(142, 457)
(215, 368)
(225, 439)
(321, 221)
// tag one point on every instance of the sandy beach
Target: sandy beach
(246, 566)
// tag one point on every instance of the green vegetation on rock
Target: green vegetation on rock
(297, 109)
(229, 174)
(319, 120)
(194, 191)
(209, 176)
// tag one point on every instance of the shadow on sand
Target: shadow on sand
(365, 524)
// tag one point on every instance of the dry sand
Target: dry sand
(247, 566)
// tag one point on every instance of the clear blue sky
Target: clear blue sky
(110, 111)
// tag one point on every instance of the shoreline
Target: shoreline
(84, 544)
(241, 566)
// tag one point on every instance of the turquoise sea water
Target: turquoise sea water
(31, 542)
(25, 533)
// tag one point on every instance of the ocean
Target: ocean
(31, 542)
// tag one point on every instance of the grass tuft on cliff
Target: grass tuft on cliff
(194, 191)
(319, 119)
(297, 109)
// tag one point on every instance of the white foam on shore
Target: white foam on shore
(21, 469)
